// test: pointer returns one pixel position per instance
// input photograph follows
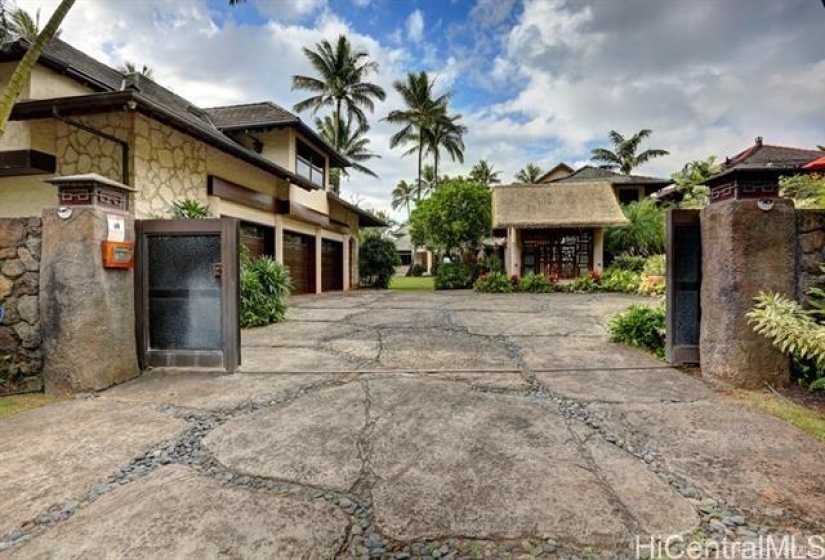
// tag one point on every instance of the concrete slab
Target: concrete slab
(262, 359)
(527, 324)
(54, 454)
(626, 385)
(213, 391)
(312, 441)
(753, 462)
(579, 353)
(410, 318)
(175, 513)
(296, 333)
(440, 349)
(487, 466)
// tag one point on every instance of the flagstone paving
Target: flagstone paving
(407, 425)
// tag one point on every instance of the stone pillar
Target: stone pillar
(345, 271)
(513, 255)
(745, 250)
(318, 261)
(279, 239)
(598, 249)
(87, 311)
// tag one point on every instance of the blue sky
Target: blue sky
(538, 81)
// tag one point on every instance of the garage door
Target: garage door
(332, 265)
(298, 257)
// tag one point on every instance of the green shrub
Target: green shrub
(536, 284)
(633, 263)
(493, 283)
(645, 235)
(417, 270)
(454, 276)
(587, 284)
(265, 285)
(641, 326)
(655, 266)
(622, 281)
(377, 260)
(189, 209)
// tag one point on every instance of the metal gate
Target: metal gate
(684, 281)
(187, 293)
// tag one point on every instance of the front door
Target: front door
(187, 293)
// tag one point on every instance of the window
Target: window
(310, 164)
(628, 195)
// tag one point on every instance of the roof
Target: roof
(556, 205)
(266, 115)
(401, 238)
(563, 167)
(588, 174)
(88, 178)
(770, 155)
(816, 165)
(365, 218)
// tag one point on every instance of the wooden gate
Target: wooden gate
(684, 281)
(187, 293)
(332, 265)
(299, 258)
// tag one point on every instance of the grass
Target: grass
(806, 420)
(12, 404)
(412, 283)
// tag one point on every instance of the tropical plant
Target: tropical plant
(624, 157)
(421, 111)
(493, 283)
(536, 284)
(655, 265)
(633, 263)
(23, 24)
(641, 326)
(454, 219)
(620, 281)
(689, 179)
(377, 260)
(529, 174)
(454, 276)
(483, 173)
(188, 209)
(265, 285)
(24, 68)
(402, 196)
(132, 68)
(807, 190)
(352, 143)
(644, 236)
(445, 132)
(340, 83)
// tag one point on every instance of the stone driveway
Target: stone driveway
(406, 425)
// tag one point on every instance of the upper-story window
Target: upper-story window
(309, 164)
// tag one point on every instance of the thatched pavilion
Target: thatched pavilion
(555, 229)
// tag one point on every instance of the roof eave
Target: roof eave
(365, 219)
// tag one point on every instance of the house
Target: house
(556, 228)
(559, 171)
(256, 162)
(627, 188)
(404, 247)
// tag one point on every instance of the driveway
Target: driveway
(406, 425)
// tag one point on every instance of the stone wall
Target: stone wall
(810, 249)
(20, 333)
(79, 151)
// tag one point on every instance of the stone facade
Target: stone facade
(79, 151)
(20, 334)
(810, 249)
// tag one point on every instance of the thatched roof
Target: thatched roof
(556, 205)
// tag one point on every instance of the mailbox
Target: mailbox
(118, 254)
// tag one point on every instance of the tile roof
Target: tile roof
(250, 115)
(588, 173)
(770, 155)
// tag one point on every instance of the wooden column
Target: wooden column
(279, 239)
(346, 265)
(318, 260)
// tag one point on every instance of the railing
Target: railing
(305, 168)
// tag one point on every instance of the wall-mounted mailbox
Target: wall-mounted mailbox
(118, 254)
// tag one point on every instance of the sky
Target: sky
(540, 81)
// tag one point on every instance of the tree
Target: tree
(530, 174)
(644, 236)
(377, 259)
(454, 219)
(445, 132)
(22, 24)
(807, 190)
(402, 196)
(624, 156)
(421, 111)
(689, 179)
(26, 65)
(483, 173)
(340, 83)
(353, 144)
(131, 68)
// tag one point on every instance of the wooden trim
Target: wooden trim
(14, 163)
(233, 192)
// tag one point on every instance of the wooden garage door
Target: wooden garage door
(299, 259)
(332, 265)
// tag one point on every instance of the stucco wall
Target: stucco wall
(279, 147)
(25, 196)
(46, 84)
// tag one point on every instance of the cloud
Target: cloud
(415, 27)
(293, 10)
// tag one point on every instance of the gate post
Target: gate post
(87, 309)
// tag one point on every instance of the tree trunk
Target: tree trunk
(26, 65)
(435, 170)
(337, 124)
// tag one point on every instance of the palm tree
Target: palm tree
(447, 133)
(402, 196)
(482, 172)
(418, 116)
(24, 68)
(22, 24)
(624, 157)
(131, 68)
(530, 174)
(354, 144)
(340, 83)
